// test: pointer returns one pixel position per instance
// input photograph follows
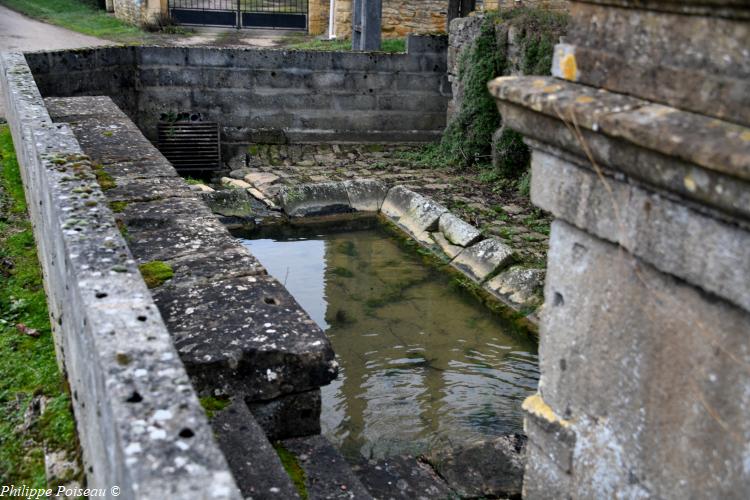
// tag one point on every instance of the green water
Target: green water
(421, 363)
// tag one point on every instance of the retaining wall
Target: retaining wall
(266, 95)
(139, 421)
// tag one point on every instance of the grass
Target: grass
(213, 405)
(390, 45)
(77, 16)
(293, 469)
(28, 366)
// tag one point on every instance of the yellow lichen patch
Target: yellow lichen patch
(536, 405)
(745, 136)
(552, 88)
(538, 84)
(584, 99)
(569, 67)
(689, 184)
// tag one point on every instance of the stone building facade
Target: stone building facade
(399, 18)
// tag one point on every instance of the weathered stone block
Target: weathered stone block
(288, 416)
(366, 195)
(484, 258)
(489, 468)
(600, 301)
(327, 474)
(446, 246)
(402, 478)
(664, 232)
(413, 212)
(457, 231)
(520, 285)
(251, 457)
(246, 335)
(315, 199)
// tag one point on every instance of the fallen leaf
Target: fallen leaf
(31, 332)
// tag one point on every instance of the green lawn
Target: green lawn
(28, 366)
(78, 16)
(388, 45)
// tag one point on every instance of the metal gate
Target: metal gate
(274, 14)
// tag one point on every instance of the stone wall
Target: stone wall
(138, 12)
(139, 421)
(644, 389)
(266, 95)
(559, 5)
(399, 18)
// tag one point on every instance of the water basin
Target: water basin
(423, 363)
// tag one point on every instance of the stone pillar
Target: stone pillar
(366, 22)
(317, 15)
(641, 150)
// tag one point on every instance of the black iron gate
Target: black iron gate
(274, 14)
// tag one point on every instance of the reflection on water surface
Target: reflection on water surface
(421, 363)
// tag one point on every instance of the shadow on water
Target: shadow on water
(421, 363)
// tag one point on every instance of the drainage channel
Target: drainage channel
(423, 365)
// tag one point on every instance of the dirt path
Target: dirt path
(21, 33)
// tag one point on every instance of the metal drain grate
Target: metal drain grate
(191, 146)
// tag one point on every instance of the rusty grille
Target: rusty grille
(190, 146)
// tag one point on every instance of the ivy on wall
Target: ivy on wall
(468, 138)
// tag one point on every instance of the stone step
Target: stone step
(402, 478)
(327, 474)
(253, 461)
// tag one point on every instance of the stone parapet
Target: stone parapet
(139, 421)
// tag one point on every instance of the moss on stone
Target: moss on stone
(293, 469)
(155, 273)
(105, 180)
(118, 206)
(213, 404)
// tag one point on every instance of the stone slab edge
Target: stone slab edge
(139, 421)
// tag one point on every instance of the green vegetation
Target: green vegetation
(468, 139)
(28, 367)
(212, 404)
(390, 45)
(292, 467)
(78, 16)
(105, 180)
(155, 273)
(118, 206)
(343, 272)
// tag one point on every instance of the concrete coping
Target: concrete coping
(139, 421)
